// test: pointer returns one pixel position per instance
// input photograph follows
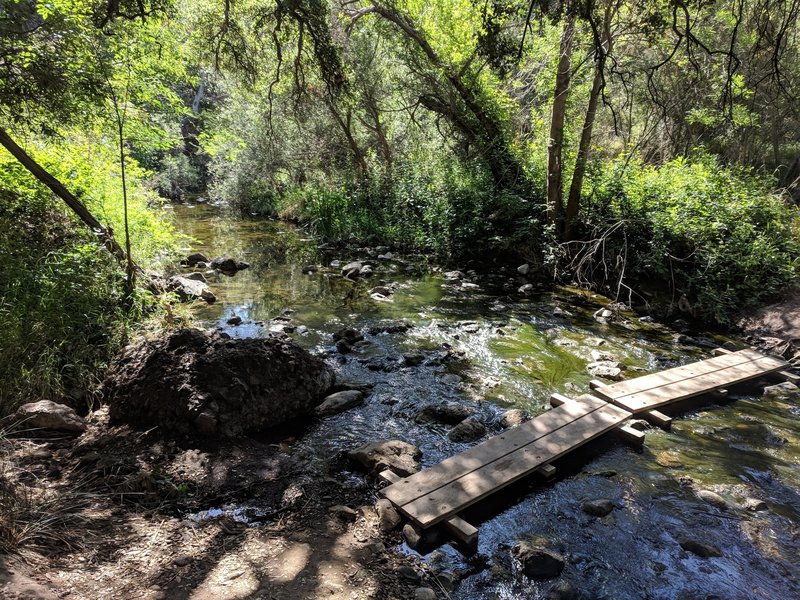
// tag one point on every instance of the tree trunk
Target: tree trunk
(59, 190)
(603, 43)
(345, 124)
(555, 167)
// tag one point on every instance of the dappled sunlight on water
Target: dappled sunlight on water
(490, 349)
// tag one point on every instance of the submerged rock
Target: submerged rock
(228, 264)
(348, 335)
(712, 498)
(203, 382)
(340, 402)
(597, 508)
(46, 414)
(399, 456)
(468, 430)
(513, 417)
(537, 562)
(701, 549)
(450, 413)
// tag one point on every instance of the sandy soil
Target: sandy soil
(127, 535)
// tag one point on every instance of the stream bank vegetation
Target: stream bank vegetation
(646, 149)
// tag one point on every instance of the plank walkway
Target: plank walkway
(439, 493)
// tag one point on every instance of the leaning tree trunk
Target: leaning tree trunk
(78, 207)
(603, 49)
(555, 168)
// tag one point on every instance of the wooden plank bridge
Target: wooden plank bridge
(437, 494)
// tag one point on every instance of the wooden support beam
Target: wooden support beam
(596, 383)
(389, 476)
(557, 400)
(658, 419)
(461, 530)
(785, 375)
(631, 436)
(547, 471)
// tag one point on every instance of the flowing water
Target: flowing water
(490, 348)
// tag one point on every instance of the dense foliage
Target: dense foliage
(563, 133)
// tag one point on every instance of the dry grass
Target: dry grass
(36, 516)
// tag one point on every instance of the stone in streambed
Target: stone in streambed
(712, 498)
(189, 289)
(537, 562)
(196, 276)
(340, 402)
(782, 391)
(228, 264)
(606, 370)
(598, 508)
(701, 549)
(401, 457)
(513, 417)
(195, 258)
(468, 430)
(450, 413)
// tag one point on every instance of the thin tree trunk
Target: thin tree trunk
(555, 146)
(576, 186)
(59, 190)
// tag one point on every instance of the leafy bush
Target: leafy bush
(718, 235)
(62, 310)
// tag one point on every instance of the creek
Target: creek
(490, 348)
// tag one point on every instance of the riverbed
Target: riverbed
(485, 345)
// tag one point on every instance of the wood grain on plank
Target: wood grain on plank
(680, 390)
(440, 504)
(655, 380)
(430, 479)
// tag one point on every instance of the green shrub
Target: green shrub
(716, 234)
(62, 309)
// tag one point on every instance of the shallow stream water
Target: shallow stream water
(490, 348)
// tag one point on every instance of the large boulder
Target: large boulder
(196, 381)
(46, 414)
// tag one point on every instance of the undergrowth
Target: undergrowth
(63, 311)
(716, 239)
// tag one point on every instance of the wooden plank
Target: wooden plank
(458, 527)
(444, 502)
(655, 380)
(461, 530)
(496, 447)
(786, 375)
(680, 390)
